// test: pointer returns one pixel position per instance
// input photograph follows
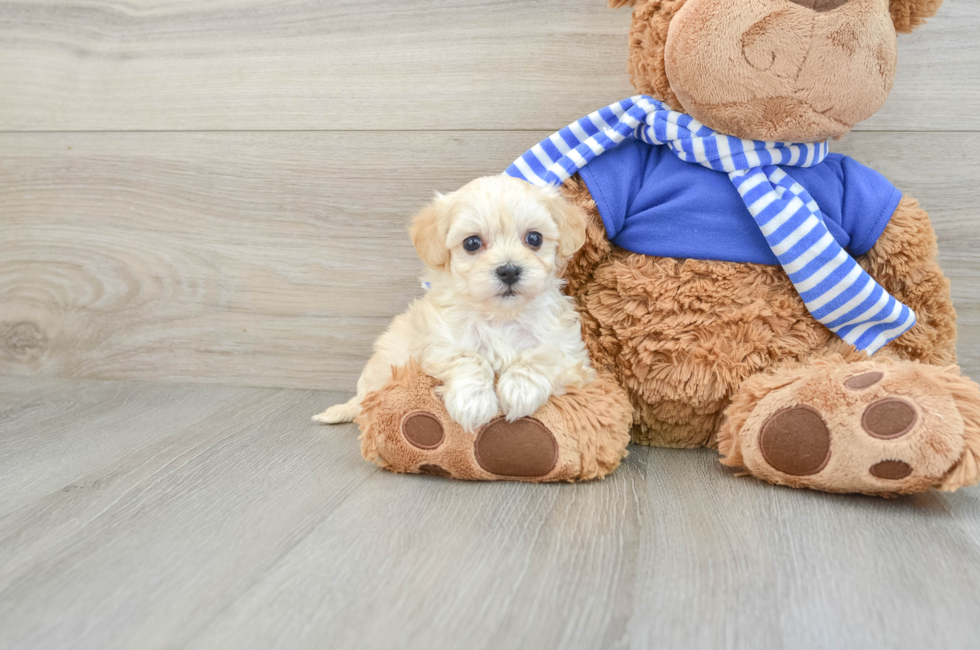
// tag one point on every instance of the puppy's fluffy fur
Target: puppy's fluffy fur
(472, 327)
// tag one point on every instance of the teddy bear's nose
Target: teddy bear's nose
(820, 5)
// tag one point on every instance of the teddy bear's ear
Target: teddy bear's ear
(616, 4)
(909, 14)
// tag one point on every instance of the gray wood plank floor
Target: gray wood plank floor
(184, 516)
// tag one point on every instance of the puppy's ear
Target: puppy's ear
(428, 231)
(571, 220)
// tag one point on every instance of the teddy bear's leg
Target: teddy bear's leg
(882, 426)
(577, 436)
(893, 424)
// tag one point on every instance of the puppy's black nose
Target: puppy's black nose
(509, 274)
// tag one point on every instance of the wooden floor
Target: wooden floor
(137, 515)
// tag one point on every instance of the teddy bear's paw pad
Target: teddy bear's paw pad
(423, 430)
(889, 418)
(864, 380)
(523, 448)
(796, 441)
(434, 470)
(891, 470)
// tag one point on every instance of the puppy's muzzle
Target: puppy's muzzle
(509, 274)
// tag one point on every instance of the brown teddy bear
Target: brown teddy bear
(695, 352)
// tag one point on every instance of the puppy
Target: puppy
(494, 309)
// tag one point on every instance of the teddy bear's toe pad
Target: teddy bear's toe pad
(796, 441)
(864, 380)
(434, 470)
(889, 418)
(522, 448)
(423, 430)
(891, 470)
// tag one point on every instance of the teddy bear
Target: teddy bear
(700, 335)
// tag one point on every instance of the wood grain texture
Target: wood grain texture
(326, 64)
(42, 451)
(386, 64)
(275, 259)
(251, 508)
(246, 526)
(269, 258)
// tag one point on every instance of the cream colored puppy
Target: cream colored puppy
(495, 308)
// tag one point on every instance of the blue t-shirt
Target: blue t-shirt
(654, 203)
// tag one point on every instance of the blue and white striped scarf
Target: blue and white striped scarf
(834, 287)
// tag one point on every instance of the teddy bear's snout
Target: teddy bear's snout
(769, 47)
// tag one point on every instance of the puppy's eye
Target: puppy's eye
(472, 244)
(534, 239)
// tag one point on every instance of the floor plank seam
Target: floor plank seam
(145, 483)
(259, 576)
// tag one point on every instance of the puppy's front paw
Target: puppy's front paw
(522, 392)
(471, 406)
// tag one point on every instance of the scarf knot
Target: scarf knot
(835, 289)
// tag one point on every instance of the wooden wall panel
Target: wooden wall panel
(262, 258)
(275, 259)
(384, 64)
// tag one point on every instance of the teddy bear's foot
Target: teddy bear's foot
(876, 427)
(581, 435)
(523, 449)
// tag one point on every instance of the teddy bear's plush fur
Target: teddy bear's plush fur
(723, 354)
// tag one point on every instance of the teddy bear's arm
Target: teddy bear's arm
(579, 270)
(904, 262)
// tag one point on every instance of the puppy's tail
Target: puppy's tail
(340, 413)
